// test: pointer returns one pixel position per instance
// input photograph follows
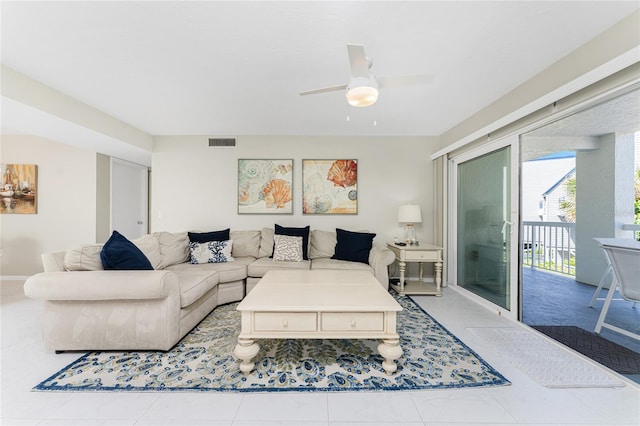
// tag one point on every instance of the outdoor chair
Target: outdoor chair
(608, 274)
(624, 257)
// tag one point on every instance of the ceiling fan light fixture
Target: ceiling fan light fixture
(362, 92)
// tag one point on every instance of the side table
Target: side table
(418, 254)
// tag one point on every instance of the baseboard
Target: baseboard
(13, 277)
(412, 278)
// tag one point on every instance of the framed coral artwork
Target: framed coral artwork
(330, 186)
(265, 186)
(18, 189)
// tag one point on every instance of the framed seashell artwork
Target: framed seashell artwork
(265, 186)
(330, 186)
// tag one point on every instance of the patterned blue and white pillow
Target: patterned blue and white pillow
(287, 248)
(210, 252)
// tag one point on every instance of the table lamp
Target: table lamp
(409, 214)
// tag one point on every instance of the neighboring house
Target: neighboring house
(543, 189)
(541, 176)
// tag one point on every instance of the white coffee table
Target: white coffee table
(318, 304)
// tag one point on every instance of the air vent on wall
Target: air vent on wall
(222, 141)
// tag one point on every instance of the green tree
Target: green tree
(568, 205)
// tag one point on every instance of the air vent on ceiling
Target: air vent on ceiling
(222, 141)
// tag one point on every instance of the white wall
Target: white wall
(66, 197)
(195, 187)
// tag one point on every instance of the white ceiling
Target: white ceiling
(235, 68)
(581, 131)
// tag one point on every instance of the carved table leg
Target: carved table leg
(402, 266)
(438, 267)
(245, 350)
(390, 350)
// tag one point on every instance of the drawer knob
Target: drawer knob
(285, 323)
(353, 323)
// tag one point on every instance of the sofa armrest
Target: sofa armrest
(53, 262)
(102, 285)
(379, 259)
(381, 256)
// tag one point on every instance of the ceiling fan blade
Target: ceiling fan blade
(405, 80)
(358, 61)
(324, 90)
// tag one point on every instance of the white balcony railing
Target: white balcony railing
(550, 246)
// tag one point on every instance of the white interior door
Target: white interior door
(129, 198)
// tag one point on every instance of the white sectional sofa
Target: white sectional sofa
(89, 308)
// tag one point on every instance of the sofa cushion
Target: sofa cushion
(203, 237)
(150, 246)
(194, 285)
(210, 252)
(287, 249)
(227, 272)
(264, 264)
(353, 246)
(324, 263)
(322, 244)
(120, 253)
(245, 243)
(83, 258)
(266, 242)
(296, 232)
(174, 247)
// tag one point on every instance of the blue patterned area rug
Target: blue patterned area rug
(203, 361)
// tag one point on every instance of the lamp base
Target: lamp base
(410, 234)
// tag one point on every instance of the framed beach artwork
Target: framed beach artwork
(265, 186)
(19, 189)
(330, 186)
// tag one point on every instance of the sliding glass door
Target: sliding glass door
(485, 262)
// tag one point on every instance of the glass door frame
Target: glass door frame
(513, 223)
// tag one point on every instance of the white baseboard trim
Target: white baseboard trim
(13, 277)
(412, 278)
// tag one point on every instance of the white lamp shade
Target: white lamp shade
(409, 213)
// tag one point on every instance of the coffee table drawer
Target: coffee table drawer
(352, 321)
(283, 321)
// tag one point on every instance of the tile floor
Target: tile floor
(25, 362)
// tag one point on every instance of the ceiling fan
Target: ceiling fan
(362, 89)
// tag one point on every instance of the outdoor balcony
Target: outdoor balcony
(551, 295)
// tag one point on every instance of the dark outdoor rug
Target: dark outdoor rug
(610, 354)
(433, 358)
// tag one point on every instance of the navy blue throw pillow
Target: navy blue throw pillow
(296, 232)
(205, 237)
(120, 253)
(353, 246)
